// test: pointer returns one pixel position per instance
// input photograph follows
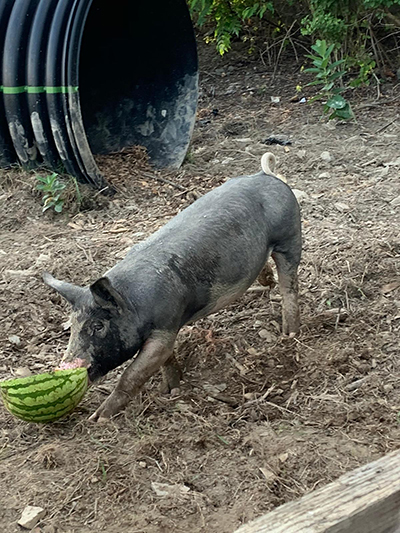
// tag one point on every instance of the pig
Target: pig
(203, 259)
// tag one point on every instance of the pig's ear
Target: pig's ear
(70, 292)
(106, 296)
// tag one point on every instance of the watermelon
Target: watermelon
(45, 397)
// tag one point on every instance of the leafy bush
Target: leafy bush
(228, 17)
(349, 24)
(53, 191)
(327, 74)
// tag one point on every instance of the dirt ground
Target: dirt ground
(260, 420)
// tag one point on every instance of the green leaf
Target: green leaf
(316, 82)
(325, 62)
(310, 56)
(336, 63)
(336, 102)
(329, 50)
(320, 47)
(58, 207)
(345, 113)
(336, 75)
(327, 87)
(223, 440)
(316, 97)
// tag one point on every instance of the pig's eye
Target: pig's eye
(98, 326)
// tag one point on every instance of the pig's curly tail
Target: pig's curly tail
(268, 163)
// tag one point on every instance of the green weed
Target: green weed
(327, 74)
(52, 189)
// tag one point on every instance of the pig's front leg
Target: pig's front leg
(154, 353)
(287, 265)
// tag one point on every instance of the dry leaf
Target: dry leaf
(389, 287)
(268, 474)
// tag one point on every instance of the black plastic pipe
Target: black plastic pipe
(84, 77)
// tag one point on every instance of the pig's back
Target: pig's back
(230, 210)
(215, 247)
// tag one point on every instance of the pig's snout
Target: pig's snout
(70, 365)
(78, 362)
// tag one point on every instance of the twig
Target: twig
(355, 384)
(184, 192)
(294, 49)
(378, 89)
(88, 254)
(163, 180)
(281, 48)
(261, 399)
(386, 125)
(375, 48)
(392, 17)
(224, 399)
(240, 367)
(382, 102)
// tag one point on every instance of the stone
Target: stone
(14, 339)
(31, 515)
(395, 202)
(22, 372)
(300, 195)
(163, 489)
(341, 207)
(266, 335)
(326, 156)
(50, 529)
(245, 140)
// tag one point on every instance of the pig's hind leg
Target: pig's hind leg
(287, 264)
(156, 351)
(172, 375)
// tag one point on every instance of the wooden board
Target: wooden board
(366, 500)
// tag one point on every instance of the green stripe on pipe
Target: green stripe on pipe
(37, 90)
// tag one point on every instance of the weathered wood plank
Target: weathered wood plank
(366, 500)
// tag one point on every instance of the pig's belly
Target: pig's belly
(222, 296)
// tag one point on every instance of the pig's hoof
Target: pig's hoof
(113, 405)
(103, 420)
(288, 335)
(175, 392)
(167, 390)
(100, 419)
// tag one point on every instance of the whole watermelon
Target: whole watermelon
(45, 397)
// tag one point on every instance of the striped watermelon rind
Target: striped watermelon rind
(45, 397)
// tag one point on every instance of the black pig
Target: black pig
(199, 262)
